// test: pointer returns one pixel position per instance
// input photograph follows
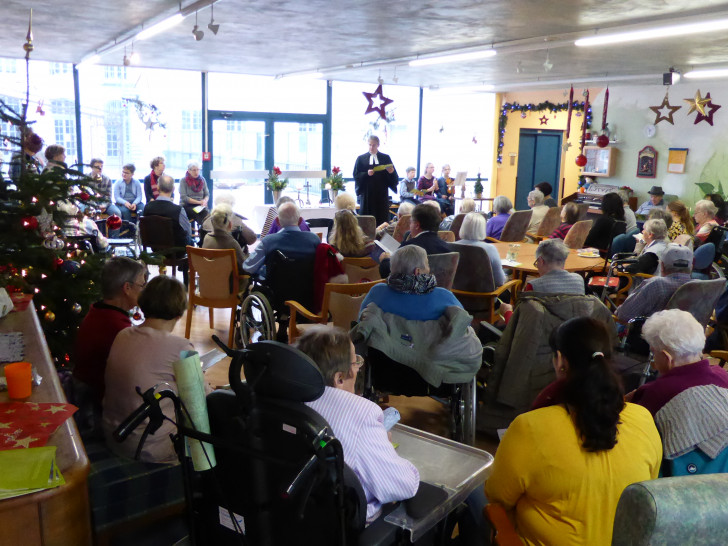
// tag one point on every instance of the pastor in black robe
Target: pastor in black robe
(373, 189)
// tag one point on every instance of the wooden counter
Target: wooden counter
(59, 516)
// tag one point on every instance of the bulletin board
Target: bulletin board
(676, 159)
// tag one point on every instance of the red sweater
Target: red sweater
(93, 343)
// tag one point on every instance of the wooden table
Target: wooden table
(527, 255)
(59, 516)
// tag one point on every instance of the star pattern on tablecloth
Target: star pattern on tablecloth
(56, 409)
(4, 425)
(25, 442)
(30, 424)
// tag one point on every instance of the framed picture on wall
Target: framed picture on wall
(647, 162)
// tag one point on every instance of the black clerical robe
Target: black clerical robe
(373, 189)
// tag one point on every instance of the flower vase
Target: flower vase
(478, 195)
(276, 195)
(332, 195)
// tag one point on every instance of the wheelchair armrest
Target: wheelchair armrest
(503, 529)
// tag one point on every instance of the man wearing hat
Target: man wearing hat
(655, 201)
(676, 264)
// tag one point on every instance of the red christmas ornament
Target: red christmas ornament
(83, 196)
(30, 222)
(602, 141)
(580, 160)
(113, 222)
(137, 316)
(58, 262)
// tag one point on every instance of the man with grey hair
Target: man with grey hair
(689, 398)
(374, 174)
(538, 210)
(652, 295)
(290, 240)
(551, 257)
(164, 206)
(650, 247)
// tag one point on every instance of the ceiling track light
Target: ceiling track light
(196, 32)
(211, 25)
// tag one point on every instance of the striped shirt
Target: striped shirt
(651, 296)
(358, 424)
(561, 231)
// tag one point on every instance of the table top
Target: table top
(527, 255)
(457, 468)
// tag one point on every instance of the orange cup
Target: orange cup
(19, 377)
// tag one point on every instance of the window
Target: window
(112, 143)
(191, 120)
(65, 133)
(9, 66)
(114, 73)
(60, 68)
(265, 94)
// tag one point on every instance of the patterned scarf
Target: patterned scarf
(195, 184)
(153, 184)
(412, 284)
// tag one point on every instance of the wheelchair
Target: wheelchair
(280, 476)
(288, 277)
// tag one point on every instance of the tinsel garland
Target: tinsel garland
(525, 108)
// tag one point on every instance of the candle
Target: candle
(604, 112)
(568, 113)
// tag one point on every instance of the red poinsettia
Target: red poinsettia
(277, 170)
(336, 170)
(274, 182)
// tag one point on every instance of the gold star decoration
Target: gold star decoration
(658, 110)
(56, 409)
(697, 103)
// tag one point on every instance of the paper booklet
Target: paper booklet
(381, 167)
(387, 243)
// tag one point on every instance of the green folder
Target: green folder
(24, 471)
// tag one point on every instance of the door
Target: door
(539, 160)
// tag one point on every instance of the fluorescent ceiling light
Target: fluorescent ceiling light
(655, 33)
(464, 89)
(160, 27)
(704, 74)
(426, 61)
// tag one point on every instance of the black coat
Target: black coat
(373, 189)
(429, 240)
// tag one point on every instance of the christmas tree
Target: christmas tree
(36, 256)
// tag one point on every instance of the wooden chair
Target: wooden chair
(474, 286)
(361, 269)
(214, 283)
(402, 228)
(368, 225)
(269, 218)
(550, 222)
(341, 301)
(457, 223)
(583, 210)
(503, 533)
(157, 233)
(684, 240)
(577, 234)
(447, 236)
(444, 266)
(515, 229)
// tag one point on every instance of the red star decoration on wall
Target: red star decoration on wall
(711, 108)
(383, 102)
(544, 120)
(658, 110)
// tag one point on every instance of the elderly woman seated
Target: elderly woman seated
(502, 207)
(345, 201)
(348, 238)
(405, 207)
(689, 398)
(357, 422)
(705, 213)
(569, 217)
(467, 205)
(538, 210)
(650, 248)
(143, 356)
(220, 238)
(275, 227)
(560, 469)
(240, 232)
(472, 232)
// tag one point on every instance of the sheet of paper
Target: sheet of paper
(377, 168)
(388, 243)
(12, 348)
(198, 208)
(509, 263)
(460, 178)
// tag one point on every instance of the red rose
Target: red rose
(277, 171)
(336, 170)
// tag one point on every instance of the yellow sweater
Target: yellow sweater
(562, 494)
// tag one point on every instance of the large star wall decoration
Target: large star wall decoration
(697, 103)
(381, 99)
(665, 106)
(544, 120)
(711, 108)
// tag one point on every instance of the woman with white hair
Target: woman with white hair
(411, 290)
(239, 231)
(193, 193)
(538, 210)
(502, 207)
(220, 238)
(472, 233)
(650, 248)
(705, 212)
(405, 207)
(689, 398)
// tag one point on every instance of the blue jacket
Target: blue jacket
(119, 190)
(290, 240)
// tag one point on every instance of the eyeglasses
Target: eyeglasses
(140, 285)
(96, 167)
(358, 362)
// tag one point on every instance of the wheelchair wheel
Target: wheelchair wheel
(463, 407)
(256, 320)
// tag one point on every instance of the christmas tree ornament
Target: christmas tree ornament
(602, 141)
(76, 308)
(379, 97)
(49, 316)
(580, 160)
(70, 266)
(697, 103)
(30, 222)
(113, 222)
(137, 316)
(84, 196)
(711, 108)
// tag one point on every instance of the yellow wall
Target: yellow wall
(505, 173)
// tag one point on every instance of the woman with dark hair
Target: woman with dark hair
(348, 238)
(608, 225)
(569, 217)
(561, 469)
(546, 189)
(151, 191)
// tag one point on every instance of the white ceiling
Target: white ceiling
(272, 37)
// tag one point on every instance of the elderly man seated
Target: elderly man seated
(538, 210)
(689, 398)
(653, 294)
(418, 324)
(290, 240)
(551, 257)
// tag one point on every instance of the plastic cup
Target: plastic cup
(19, 377)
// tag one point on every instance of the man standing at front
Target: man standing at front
(372, 181)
